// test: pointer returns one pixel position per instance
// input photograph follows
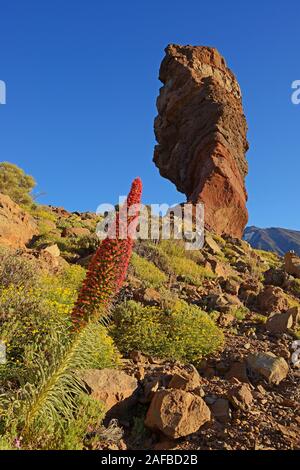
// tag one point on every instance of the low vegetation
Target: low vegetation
(58, 320)
(182, 332)
(16, 184)
(147, 272)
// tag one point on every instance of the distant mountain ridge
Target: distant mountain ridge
(279, 240)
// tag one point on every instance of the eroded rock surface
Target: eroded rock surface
(17, 227)
(201, 134)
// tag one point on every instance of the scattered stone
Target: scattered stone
(240, 396)
(295, 312)
(243, 266)
(113, 387)
(221, 367)
(212, 245)
(50, 262)
(233, 301)
(250, 284)
(147, 296)
(275, 277)
(274, 369)
(150, 387)
(217, 267)
(53, 250)
(240, 250)
(176, 413)
(74, 232)
(292, 264)
(261, 389)
(221, 410)
(226, 319)
(279, 322)
(238, 371)
(137, 357)
(272, 299)
(188, 381)
(210, 399)
(232, 287)
(209, 372)
(155, 360)
(140, 374)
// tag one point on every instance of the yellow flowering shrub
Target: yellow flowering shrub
(190, 271)
(172, 257)
(147, 272)
(30, 316)
(60, 292)
(183, 332)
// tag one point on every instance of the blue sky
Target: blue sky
(82, 84)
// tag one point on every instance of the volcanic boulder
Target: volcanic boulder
(201, 134)
(17, 227)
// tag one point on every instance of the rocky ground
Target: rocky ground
(246, 414)
(246, 396)
(249, 406)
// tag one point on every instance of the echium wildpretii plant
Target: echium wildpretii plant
(47, 405)
(109, 264)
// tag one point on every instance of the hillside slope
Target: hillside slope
(187, 326)
(278, 240)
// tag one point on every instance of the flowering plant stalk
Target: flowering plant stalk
(108, 267)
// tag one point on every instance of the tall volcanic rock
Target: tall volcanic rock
(201, 134)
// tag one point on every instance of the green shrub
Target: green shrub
(176, 248)
(156, 255)
(173, 247)
(295, 287)
(16, 184)
(272, 259)
(30, 312)
(147, 272)
(17, 270)
(41, 212)
(50, 380)
(72, 221)
(183, 333)
(87, 244)
(45, 218)
(190, 271)
(70, 277)
(81, 246)
(258, 318)
(168, 298)
(230, 254)
(218, 239)
(74, 435)
(292, 301)
(239, 312)
(45, 238)
(173, 258)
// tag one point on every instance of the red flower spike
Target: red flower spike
(108, 267)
